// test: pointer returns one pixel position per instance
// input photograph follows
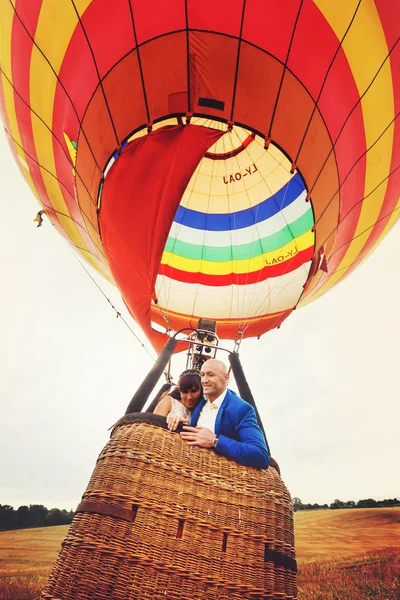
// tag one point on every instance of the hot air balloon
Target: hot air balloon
(284, 182)
(219, 160)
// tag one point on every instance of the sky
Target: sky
(326, 382)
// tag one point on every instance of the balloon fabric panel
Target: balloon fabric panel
(135, 214)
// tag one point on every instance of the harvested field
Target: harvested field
(347, 554)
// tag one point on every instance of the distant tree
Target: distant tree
(34, 515)
(297, 503)
(55, 516)
(23, 517)
(337, 504)
(8, 517)
(37, 513)
(66, 517)
(367, 503)
(390, 502)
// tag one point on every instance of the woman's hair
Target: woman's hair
(190, 379)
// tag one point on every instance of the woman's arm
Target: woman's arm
(164, 407)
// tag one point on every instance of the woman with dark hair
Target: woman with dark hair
(189, 391)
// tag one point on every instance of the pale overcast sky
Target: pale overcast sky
(326, 383)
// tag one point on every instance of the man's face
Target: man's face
(213, 379)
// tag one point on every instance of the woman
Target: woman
(180, 411)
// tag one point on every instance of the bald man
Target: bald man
(224, 422)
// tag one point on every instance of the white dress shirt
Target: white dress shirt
(208, 413)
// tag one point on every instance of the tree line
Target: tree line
(37, 515)
(365, 503)
(34, 515)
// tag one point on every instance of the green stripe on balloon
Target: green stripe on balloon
(243, 251)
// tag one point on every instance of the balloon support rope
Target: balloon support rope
(164, 316)
(118, 314)
(237, 341)
(167, 373)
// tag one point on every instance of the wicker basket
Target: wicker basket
(162, 520)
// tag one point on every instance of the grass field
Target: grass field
(348, 554)
(342, 554)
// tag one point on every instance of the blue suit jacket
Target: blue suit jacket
(239, 436)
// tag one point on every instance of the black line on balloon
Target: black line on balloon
(285, 271)
(324, 279)
(71, 243)
(71, 100)
(188, 55)
(198, 114)
(274, 325)
(238, 60)
(386, 216)
(56, 138)
(354, 165)
(58, 80)
(284, 71)
(356, 162)
(97, 71)
(216, 118)
(307, 278)
(51, 207)
(139, 62)
(244, 125)
(325, 79)
(349, 115)
(355, 205)
(137, 49)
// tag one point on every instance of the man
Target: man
(224, 422)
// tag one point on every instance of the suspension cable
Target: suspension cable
(119, 315)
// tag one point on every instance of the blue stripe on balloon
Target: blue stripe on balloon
(243, 218)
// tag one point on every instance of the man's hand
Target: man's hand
(197, 436)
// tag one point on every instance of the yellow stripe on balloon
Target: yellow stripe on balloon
(366, 50)
(261, 174)
(392, 220)
(102, 268)
(6, 24)
(284, 254)
(61, 23)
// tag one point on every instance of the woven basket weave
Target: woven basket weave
(162, 520)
